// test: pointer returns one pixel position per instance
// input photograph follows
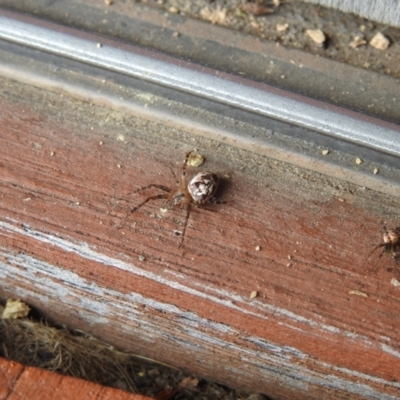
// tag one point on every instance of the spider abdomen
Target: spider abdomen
(391, 237)
(202, 187)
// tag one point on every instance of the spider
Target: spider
(200, 190)
(391, 244)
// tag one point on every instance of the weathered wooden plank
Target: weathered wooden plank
(18, 382)
(67, 168)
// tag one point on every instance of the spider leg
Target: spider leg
(174, 175)
(377, 261)
(376, 248)
(184, 227)
(131, 211)
(380, 255)
(155, 185)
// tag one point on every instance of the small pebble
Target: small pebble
(395, 282)
(357, 41)
(282, 27)
(359, 161)
(253, 294)
(316, 35)
(99, 45)
(195, 160)
(258, 248)
(141, 257)
(379, 42)
(376, 170)
(325, 152)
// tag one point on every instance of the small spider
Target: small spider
(391, 244)
(200, 190)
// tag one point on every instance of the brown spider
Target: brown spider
(200, 190)
(391, 244)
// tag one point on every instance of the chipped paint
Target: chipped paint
(82, 249)
(271, 360)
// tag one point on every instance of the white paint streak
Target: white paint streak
(390, 350)
(228, 299)
(272, 361)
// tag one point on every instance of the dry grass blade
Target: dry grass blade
(78, 355)
(81, 355)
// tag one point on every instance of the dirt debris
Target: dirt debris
(316, 35)
(15, 309)
(256, 9)
(214, 15)
(345, 33)
(357, 42)
(379, 42)
(78, 354)
(195, 160)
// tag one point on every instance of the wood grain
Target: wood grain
(67, 168)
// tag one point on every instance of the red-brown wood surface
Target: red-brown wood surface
(323, 324)
(18, 382)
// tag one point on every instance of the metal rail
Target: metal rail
(332, 121)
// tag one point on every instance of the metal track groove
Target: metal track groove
(200, 81)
